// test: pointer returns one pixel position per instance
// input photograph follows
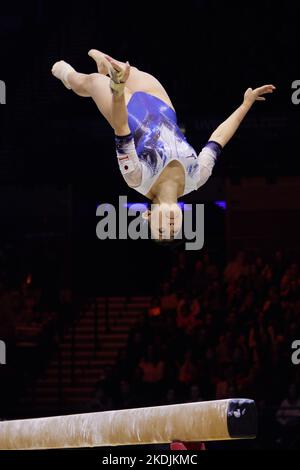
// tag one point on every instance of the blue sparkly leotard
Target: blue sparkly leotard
(158, 141)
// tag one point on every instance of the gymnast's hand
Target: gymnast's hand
(227, 129)
(118, 72)
(251, 96)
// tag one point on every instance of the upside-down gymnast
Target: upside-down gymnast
(153, 155)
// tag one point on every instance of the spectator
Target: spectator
(235, 268)
(188, 371)
(186, 317)
(152, 366)
(169, 299)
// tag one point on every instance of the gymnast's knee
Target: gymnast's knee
(92, 82)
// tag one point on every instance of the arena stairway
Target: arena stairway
(82, 357)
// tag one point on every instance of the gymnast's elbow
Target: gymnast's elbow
(133, 179)
(204, 176)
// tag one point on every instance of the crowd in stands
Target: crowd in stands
(32, 318)
(213, 330)
(217, 331)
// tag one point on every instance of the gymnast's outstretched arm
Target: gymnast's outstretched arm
(226, 130)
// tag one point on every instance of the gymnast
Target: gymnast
(154, 156)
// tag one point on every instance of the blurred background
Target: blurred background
(94, 325)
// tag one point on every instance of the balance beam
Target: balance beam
(201, 421)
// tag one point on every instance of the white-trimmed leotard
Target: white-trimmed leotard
(156, 140)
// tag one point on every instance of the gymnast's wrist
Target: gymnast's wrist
(247, 104)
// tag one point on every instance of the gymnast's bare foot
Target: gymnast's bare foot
(99, 57)
(118, 71)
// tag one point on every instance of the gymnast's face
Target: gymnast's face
(165, 221)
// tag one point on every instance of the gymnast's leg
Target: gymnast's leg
(137, 80)
(97, 87)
